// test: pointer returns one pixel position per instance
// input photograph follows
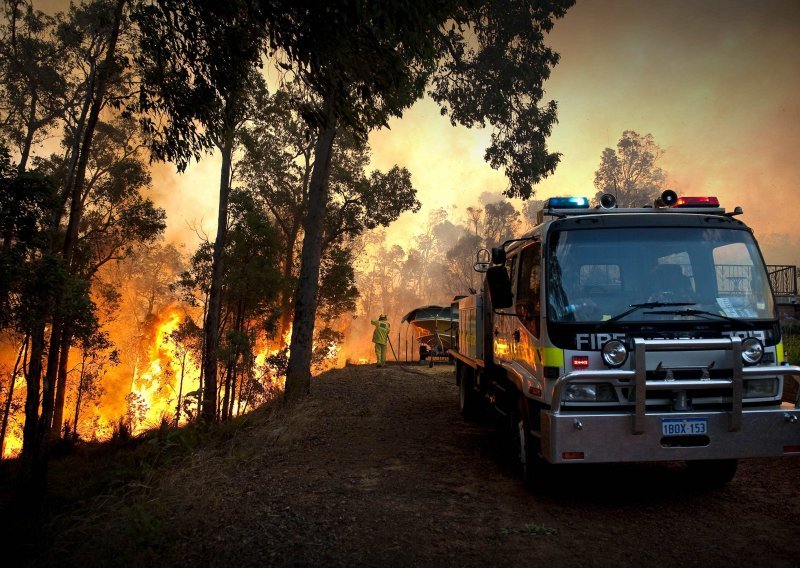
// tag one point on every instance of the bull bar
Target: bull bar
(757, 431)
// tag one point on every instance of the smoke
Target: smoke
(715, 82)
(190, 199)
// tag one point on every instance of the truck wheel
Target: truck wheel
(712, 473)
(468, 399)
(529, 445)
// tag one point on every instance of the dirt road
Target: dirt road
(379, 469)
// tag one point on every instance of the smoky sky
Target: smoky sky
(716, 83)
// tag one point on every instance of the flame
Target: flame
(12, 444)
(143, 389)
(157, 387)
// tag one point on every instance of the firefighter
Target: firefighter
(380, 337)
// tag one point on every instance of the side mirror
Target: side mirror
(499, 287)
(482, 261)
(498, 255)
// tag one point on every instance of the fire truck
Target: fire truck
(611, 334)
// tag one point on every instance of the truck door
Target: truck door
(526, 333)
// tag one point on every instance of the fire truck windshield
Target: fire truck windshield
(596, 275)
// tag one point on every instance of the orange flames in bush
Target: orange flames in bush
(158, 384)
(142, 391)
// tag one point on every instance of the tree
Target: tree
(359, 202)
(96, 354)
(97, 25)
(499, 81)
(26, 201)
(250, 288)
(530, 212)
(492, 64)
(359, 66)
(631, 172)
(425, 264)
(29, 273)
(277, 167)
(338, 295)
(33, 77)
(460, 261)
(474, 219)
(500, 223)
(148, 278)
(116, 218)
(338, 292)
(186, 341)
(199, 61)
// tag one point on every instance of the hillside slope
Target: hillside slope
(378, 468)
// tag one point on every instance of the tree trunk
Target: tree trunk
(247, 395)
(61, 384)
(218, 412)
(245, 378)
(211, 327)
(78, 399)
(286, 296)
(227, 392)
(30, 469)
(180, 390)
(234, 379)
(200, 380)
(298, 372)
(25, 151)
(49, 383)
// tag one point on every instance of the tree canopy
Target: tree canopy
(631, 172)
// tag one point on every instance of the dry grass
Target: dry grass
(113, 485)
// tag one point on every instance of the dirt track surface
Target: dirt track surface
(378, 468)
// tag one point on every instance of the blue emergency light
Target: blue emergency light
(567, 203)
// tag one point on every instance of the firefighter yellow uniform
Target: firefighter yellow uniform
(380, 337)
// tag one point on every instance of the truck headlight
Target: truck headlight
(752, 350)
(614, 353)
(760, 388)
(583, 392)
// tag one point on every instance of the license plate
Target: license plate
(684, 426)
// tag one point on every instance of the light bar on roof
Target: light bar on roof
(697, 202)
(567, 203)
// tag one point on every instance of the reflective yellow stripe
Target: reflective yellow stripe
(779, 353)
(552, 357)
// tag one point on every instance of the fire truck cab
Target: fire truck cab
(628, 335)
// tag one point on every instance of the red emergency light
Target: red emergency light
(697, 202)
(580, 362)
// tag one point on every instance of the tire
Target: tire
(469, 404)
(528, 446)
(712, 473)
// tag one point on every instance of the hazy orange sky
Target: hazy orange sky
(716, 82)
